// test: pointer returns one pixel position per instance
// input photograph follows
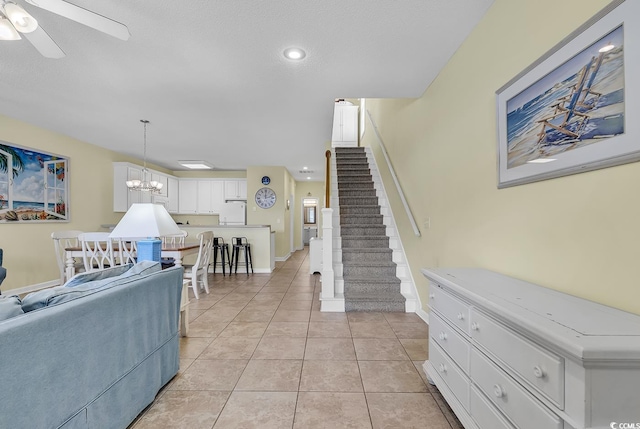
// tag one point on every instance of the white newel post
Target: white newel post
(328, 287)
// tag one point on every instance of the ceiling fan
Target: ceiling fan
(14, 21)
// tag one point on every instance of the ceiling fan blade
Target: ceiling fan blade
(84, 16)
(44, 44)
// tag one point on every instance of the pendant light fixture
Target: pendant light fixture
(144, 185)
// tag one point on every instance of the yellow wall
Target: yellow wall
(28, 248)
(579, 234)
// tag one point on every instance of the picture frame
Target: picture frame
(34, 186)
(567, 112)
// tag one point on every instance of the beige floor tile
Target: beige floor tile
(418, 364)
(371, 330)
(230, 348)
(271, 375)
(258, 410)
(446, 410)
(329, 330)
(317, 316)
(291, 316)
(194, 314)
(411, 330)
(262, 306)
(391, 376)
(295, 305)
(184, 410)
(206, 374)
(330, 410)
(206, 329)
(294, 295)
(215, 314)
(379, 349)
(201, 304)
(280, 348)
(355, 316)
(244, 329)
(254, 316)
(405, 410)
(330, 349)
(403, 318)
(416, 349)
(190, 348)
(330, 376)
(287, 329)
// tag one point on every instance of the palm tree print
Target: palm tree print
(18, 165)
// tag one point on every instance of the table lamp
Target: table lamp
(148, 222)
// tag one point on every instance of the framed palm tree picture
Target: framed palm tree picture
(33, 185)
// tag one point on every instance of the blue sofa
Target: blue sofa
(94, 359)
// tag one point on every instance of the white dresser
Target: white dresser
(510, 354)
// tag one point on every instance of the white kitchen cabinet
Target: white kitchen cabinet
(160, 178)
(172, 195)
(345, 126)
(187, 196)
(210, 196)
(505, 353)
(235, 189)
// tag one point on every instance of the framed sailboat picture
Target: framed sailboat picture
(33, 186)
(567, 113)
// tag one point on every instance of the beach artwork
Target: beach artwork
(579, 103)
(33, 186)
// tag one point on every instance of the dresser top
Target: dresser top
(585, 329)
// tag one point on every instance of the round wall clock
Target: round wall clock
(266, 180)
(265, 198)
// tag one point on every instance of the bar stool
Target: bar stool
(239, 244)
(220, 246)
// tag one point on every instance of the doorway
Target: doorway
(309, 219)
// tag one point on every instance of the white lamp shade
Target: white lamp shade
(145, 220)
(21, 20)
(7, 31)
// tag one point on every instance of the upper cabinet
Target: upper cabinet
(235, 189)
(172, 195)
(345, 125)
(122, 197)
(210, 196)
(188, 196)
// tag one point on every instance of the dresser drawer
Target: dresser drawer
(450, 307)
(451, 342)
(457, 381)
(510, 397)
(484, 413)
(539, 368)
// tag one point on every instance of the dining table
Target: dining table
(176, 251)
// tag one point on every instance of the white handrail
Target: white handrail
(416, 231)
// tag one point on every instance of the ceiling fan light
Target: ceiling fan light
(21, 20)
(8, 31)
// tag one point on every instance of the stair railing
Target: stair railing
(414, 225)
(328, 282)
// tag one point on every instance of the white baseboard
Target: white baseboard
(31, 288)
(282, 258)
(423, 315)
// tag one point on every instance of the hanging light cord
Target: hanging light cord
(145, 122)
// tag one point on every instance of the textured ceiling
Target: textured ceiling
(210, 76)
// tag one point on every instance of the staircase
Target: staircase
(368, 269)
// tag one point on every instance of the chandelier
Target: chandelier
(144, 185)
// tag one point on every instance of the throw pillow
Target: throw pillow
(82, 278)
(10, 306)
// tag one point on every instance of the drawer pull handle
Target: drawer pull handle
(432, 295)
(460, 316)
(443, 336)
(442, 368)
(538, 372)
(497, 390)
(475, 326)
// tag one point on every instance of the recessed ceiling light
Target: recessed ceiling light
(196, 165)
(308, 178)
(294, 54)
(304, 168)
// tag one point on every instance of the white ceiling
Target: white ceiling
(210, 76)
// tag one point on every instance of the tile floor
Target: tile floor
(260, 354)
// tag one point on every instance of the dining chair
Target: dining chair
(175, 238)
(62, 240)
(198, 272)
(97, 250)
(127, 251)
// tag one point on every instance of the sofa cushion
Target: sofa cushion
(82, 278)
(10, 306)
(60, 294)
